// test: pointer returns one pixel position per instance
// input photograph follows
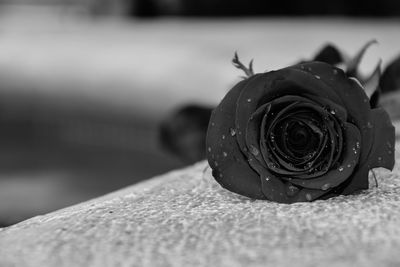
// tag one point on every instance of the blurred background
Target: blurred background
(85, 84)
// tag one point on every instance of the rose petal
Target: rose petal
(353, 97)
(253, 132)
(278, 191)
(266, 148)
(230, 167)
(335, 109)
(336, 176)
(358, 181)
(382, 152)
(263, 88)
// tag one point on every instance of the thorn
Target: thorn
(353, 63)
(248, 71)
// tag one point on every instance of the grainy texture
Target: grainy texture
(185, 218)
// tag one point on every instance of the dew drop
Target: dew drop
(308, 197)
(292, 190)
(223, 136)
(379, 158)
(212, 124)
(348, 165)
(340, 168)
(318, 77)
(249, 100)
(335, 71)
(333, 112)
(225, 154)
(253, 150)
(220, 175)
(209, 149)
(232, 131)
(266, 178)
(326, 186)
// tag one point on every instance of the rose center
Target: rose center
(300, 139)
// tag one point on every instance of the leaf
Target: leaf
(390, 80)
(183, 133)
(353, 63)
(329, 54)
(238, 64)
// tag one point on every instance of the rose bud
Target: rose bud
(298, 134)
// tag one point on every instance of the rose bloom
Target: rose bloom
(301, 133)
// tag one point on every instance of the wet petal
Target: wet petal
(337, 175)
(253, 132)
(230, 167)
(263, 88)
(382, 152)
(353, 97)
(279, 191)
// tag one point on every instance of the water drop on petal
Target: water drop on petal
(232, 132)
(253, 150)
(308, 197)
(326, 186)
(340, 168)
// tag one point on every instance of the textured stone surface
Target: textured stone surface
(185, 218)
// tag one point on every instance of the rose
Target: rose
(301, 133)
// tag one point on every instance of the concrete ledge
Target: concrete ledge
(184, 218)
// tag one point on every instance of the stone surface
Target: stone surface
(185, 218)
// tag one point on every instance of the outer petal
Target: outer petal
(279, 191)
(253, 132)
(382, 151)
(230, 167)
